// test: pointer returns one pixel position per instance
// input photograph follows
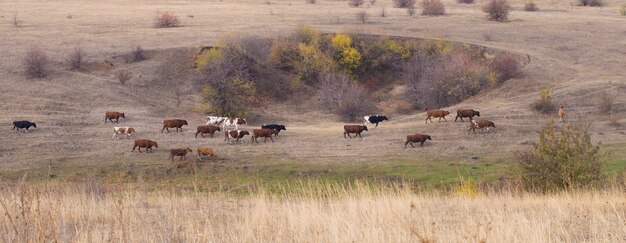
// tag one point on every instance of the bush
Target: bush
(497, 10)
(433, 7)
(35, 63)
(404, 3)
(530, 6)
(372, 2)
(311, 1)
(606, 103)
(465, 1)
(410, 11)
(544, 104)
(343, 96)
(123, 76)
(76, 58)
(591, 3)
(166, 20)
(355, 3)
(362, 16)
(564, 158)
(135, 55)
(505, 67)
(622, 10)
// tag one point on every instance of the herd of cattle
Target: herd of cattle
(230, 127)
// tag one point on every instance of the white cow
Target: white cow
(215, 120)
(127, 131)
(229, 122)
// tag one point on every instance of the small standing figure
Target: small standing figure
(561, 114)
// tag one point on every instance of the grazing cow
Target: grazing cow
(205, 151)
(437, 114)
(23, 124)
(275, 127)
(128, 131)
(416, 138)
(235, 134)
(374, 119)
(145, 143)
(179, 152)
(466, 113)
(177, 123)
(210, 129)
(113, 115)
(265, 133)
(234, 122)
(347, 129)
(215, 120)
(481, 123)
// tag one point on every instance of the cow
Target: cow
(481, 123)
(210, 129)
(177, 123)
(436, 113)
(235, 134)
(205, 151)
(127, 131)
(265, 133)
(145, 143)
(347, 129)
(416, 138)
(374, 119)
(466, 113)
(23, 124)
(234, 122)
(110, 115)
(215, 120)
(275, 127)
(179, 152)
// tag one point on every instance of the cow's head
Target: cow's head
(283, 127)
(365, 128)
(122, 115)
(185, 122)
(478, 114)
(243, 121)
(219, 129)
(385, 118)
(243, 133)
(155, 144)
(445, 113)
(189, 150)
(130, 130)
(428, 137)
(34, 125)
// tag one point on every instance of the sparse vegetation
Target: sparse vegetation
(465, 1)
(135, 55)
(372, 2)
(311, 1)
(606, 103)
(14, 20)
(123, 76)
(343, 96)
(410, 11)
(166, 20)
(382, 12)
(362, 16)
(505, 67)
(35, 63)
(497, 10)
(563, 159)
(355, 3)
(404, 3)
(622, 10)
(433, 7)
(76, 58)
(544, 104)
(530, 6)
(591, 3)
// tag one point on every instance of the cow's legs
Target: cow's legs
(271, 138)
(139, 148)
(359, 135)
(422, 145)
(376, 124)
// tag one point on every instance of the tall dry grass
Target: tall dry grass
(318, 213)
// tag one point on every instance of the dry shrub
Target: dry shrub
(505, 67)
(311, 1)
(372, 2)
(166, 20)
(35, 63)
(75, 60)
(404, 3)
(622, 10)
(530, 6)
(591, 3)
(14, 20)
(465, 1)
(362, 16)
(433, 7)
(497, 10)
(606, 103)
(123, 76)
(410, 11)
(135, 55)
(544, 104)
(564, 159)
(343, 96)
(355, 3)
(382, 12)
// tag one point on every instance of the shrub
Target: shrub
(306, 34)
(372, 2)
(123, 76)
(544, 104)
(465, 1)
(166, 20)
(382, 12)
(76, 59)
(311, 1)
(622, 10)
(433, 7)
(497, 10)
(135, 55)
(355, 3)
(410, 11)
(563, 158)
(35, 63)
(505, 67)
(404, 3)
(606, 103)
(229, 97)
(591, 3)
(344, 97)
(362, 16)
(530, 6)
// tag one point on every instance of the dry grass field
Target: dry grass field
(576, 51)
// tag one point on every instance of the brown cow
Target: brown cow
(113, 115)
(436, 113)
(238, 134)
(179, 152)
(347, 129)
(481, 123)
(265, 133)
(205, 151)
(177, 123)
(466, 113)
(416, 138)
(210, 129)
(144, 143)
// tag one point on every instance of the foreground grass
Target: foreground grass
(316, 212)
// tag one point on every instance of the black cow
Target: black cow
(23, 124)
(275, 127)
(374, 119)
